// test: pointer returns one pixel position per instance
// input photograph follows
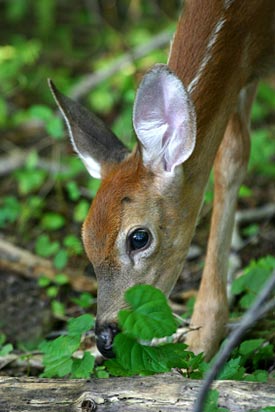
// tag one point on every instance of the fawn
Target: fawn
(188, 115)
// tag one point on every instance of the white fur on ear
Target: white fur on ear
(96, 145)
(164, 119)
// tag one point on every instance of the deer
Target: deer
(189, 115)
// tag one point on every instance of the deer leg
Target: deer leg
(211, 309)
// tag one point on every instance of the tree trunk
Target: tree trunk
(157, 393)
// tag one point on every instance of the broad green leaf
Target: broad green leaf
(61, 279)
(43, 281)
(257, 376)
(6, 349)
(133, 358)
(60, 347)
(57, 355)
(249, 346)
(80, 325)
(73, 245)
(55, 127)
(44, 247)
(83, 368)
(52, 221)
(61, 258)
(81, 210)
(149, 315)
(59, 367)
(233, 369)
(41, 112)
(58, 308)
(84, 301)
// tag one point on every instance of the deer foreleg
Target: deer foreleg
(211, 309)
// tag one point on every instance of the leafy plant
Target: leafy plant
(9, 210)
(211, 404)
(52, 288)
(5, 348)
(248, 285)
(59, 355)
(149, 316)
(53, 124)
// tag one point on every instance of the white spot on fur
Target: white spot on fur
(213, 38)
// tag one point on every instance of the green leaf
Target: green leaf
(85, 300)
(52, 291)
(59, 367)
(81, 210)
(267, 409)
(41, 112)
(253, 279)
(257, 376)
(55, 127)
(82, 368)
(211, 404)
(245, 191)
(133, 357)
(61, 279)
(80, 325)
(93, 186)
(61, 258)
(250, 346)
(9, 210)
(6, 349)
(232, 370)
(44, 247)
(57, 355)
(43, 281)
(73, 245)
(3, 112)
(32, 160)
(149, 315)
(29, 181)
(58, 308)
(2, 339)
(251, 230)
(101, 373)
(52, 221)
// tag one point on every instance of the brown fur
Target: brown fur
(132, 195)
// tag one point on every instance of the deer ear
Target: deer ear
(95, 144)
(164, 119)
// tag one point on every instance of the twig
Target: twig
(31, 266)
(91, 80)
(251, 316)
(247, 216)
(17, 158)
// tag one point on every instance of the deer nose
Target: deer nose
(104, 339)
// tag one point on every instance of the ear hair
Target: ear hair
(164, 119)
(95, 144)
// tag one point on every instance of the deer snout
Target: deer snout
(105, 335)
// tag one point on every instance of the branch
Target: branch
(17, 158)
(31, 266)
(91, 80)
(164, 392)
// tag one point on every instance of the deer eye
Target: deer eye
(139, 239)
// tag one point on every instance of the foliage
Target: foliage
(59, 359)
(48, 207)
(252, 280)
(5, 348)
(211, 404)
(148, 317)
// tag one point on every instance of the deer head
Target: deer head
(139, 226)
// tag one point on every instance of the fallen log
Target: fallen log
(158, 393)
(31, 266)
